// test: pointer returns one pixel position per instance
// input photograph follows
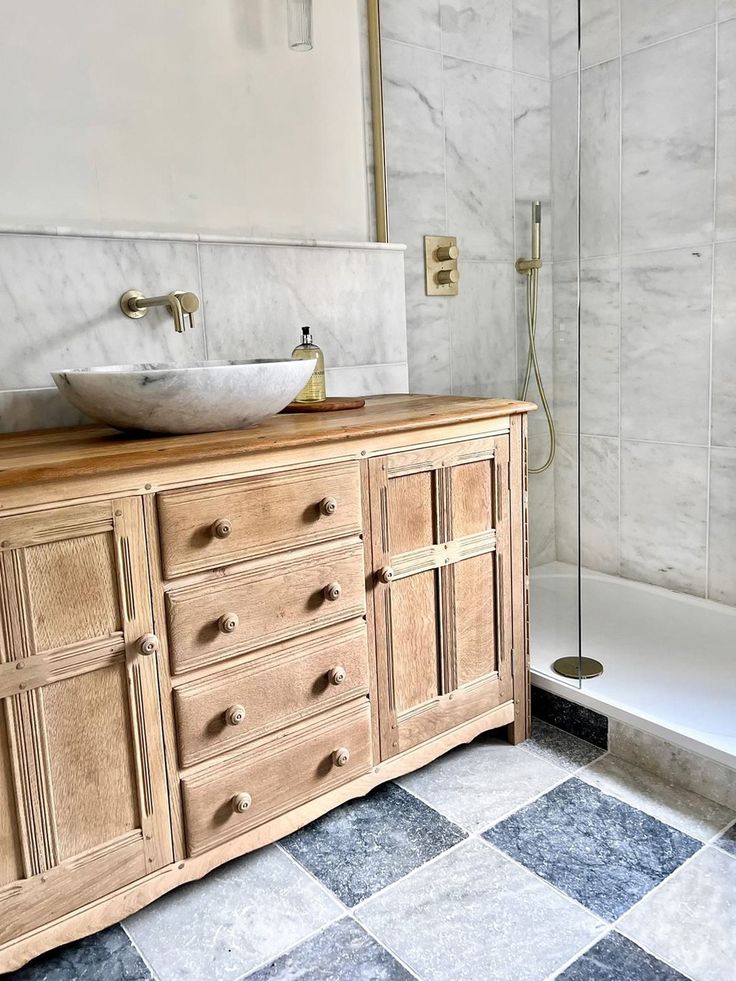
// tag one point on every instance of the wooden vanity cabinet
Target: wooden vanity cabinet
(207, 642)
(85, 803)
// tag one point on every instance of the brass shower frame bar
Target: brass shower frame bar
(379, 138)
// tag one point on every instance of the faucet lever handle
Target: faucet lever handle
(189, 303)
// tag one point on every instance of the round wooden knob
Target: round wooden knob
(228, 623)
(447, 277)
(386, 574)
(148, 644)
(338, 675)
(328, 505)
(333, 591)
(222, 528)
(341, 756)
(235, 715)
(241, 803)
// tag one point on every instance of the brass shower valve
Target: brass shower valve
(441, 265)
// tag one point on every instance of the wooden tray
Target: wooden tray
(329, 405)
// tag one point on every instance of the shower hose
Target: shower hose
(532, 363)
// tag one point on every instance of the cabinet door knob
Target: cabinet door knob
(222, 528)
(341, 756)
(386, 574)
(241, 803)
(328, 505)
(332, 591)
(338, 675)
(235, 715)
(228, 623)
(148, 644)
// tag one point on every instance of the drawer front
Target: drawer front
(239, 704)
(265, 604)
(279, 773)
(212, 526)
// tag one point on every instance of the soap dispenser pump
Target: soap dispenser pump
(314, 390)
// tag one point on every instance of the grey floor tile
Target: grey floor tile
(576, 719)
(603, 852)
(615, 958)
(689, 922)
(478, 784)
(474, 914)
(560, 747)
(369, 843)
(236, 918)
(106, 956)
(727, 841)
(697, 816)
(342, 952)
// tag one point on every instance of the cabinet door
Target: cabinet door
(81, 755)
(442, 588)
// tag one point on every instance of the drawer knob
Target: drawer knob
(332, 591)
(235, 715)
(228, 623)
(222, 528)
(338, 675)
(328, 505)
(341, 756)
(386, 574)
(241, 803)
(148, 644)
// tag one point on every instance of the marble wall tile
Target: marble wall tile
(413, 21)
(367, 379)
(655, 20)
(722, 530)
(257, 299)
(415, 143)
(599, 347)
(563, 37)
(482, 916)
(664, 494)
(530, 24)
(478, 141)
(479, 31)
(599, 160)
(532, 158)
(723, 407)
(669, 142)
(599, 511)
(566, 359)
(37, 408)
(726, 9)
(542, 547)
(673, 763)
(59, 304)
(564, 167)
(428, 334)
(599, 29)
(689, 921)
(482, 332)
(726, 170)
(665, 345)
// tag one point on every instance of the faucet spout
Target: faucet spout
(134, 304)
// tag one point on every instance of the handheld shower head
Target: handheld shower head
(536, 230)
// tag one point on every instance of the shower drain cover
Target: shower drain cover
(577, 667)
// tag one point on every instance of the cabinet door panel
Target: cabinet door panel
(441, 569)
(11, 864)
(81, 748)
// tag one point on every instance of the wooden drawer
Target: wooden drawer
(275, 775)
(208, 527)
(267, 602)
(222, 712)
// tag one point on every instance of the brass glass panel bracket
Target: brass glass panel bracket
(440, 264)
(579, 668)
(180, 305)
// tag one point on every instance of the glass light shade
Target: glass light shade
(300, 24)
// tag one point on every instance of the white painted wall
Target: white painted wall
(182, 116)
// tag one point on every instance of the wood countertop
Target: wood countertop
(44, 455)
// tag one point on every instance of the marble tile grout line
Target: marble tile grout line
(467, 61)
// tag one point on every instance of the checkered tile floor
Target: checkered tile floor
(547, 860)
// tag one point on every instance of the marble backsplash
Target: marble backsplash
(59, 297)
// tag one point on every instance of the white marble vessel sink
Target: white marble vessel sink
(201, 397)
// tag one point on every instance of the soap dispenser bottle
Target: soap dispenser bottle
(314, 390)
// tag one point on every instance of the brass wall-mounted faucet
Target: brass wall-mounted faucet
(134, 304)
